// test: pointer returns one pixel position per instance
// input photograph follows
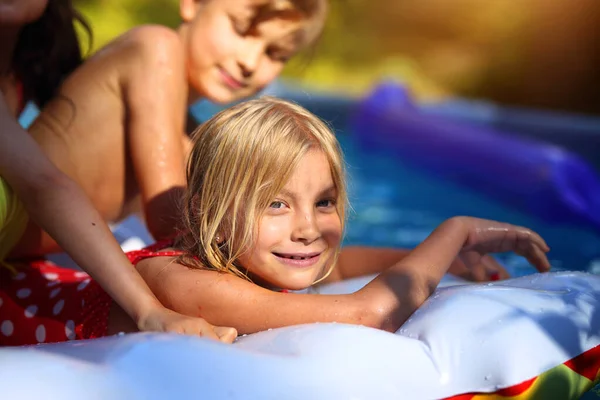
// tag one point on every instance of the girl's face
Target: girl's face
(300, 231)
(233, 51)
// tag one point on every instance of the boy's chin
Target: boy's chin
(225, 96)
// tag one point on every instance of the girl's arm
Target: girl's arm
(61, 208)
(355, 261)
(385, 303)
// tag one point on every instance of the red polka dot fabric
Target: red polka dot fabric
(41, 302)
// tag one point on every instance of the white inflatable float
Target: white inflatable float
(531, 337)
(535, 337)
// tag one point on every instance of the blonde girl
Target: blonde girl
(264, 215)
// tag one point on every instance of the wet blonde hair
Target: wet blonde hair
(241, 159)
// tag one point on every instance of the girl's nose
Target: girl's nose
(305, 229)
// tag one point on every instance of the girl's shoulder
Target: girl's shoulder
(164, 248)
(161, 258)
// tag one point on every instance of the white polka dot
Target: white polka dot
(82, 303)
(52, 283)
(70, 330)
(81, 275)
(7, 328)
(54, 292)
(83, 284)
(51, 276)
(40, 334)
(58, 307)
(23, 293)
(20, 276)
(30, 311)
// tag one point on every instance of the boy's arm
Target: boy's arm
(155, 90)
(61, 208)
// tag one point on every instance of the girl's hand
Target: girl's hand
(161, 319)
(486, 269)
(485, 236)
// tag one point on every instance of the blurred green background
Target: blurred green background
(537, 53)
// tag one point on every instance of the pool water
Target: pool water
(394, 205)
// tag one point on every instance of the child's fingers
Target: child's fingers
(226, 335)
(474, 270)
(199, 327)
(527, 236)
(495, 270)
(540, 242)
(537, 257)
(478, 273)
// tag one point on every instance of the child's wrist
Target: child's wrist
(144, 311)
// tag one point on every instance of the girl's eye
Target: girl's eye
(277, 204)
(326, 203)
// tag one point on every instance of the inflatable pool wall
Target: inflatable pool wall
(538, 178)
(578, 133)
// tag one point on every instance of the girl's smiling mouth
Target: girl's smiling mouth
(298, 259)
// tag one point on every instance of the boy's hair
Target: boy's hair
(48, 50)
(241, 159)
(313, 13)
(309, 14)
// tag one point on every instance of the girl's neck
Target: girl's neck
(264, 284)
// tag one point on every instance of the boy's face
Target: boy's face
(233, 49)
(299, 233)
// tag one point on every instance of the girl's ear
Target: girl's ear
(220, 239)
(188, 9)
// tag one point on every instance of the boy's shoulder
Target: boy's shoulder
(151, 33)
(151, 39)
(145, 43)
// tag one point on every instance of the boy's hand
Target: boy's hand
(485, 236)
(161, 319)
